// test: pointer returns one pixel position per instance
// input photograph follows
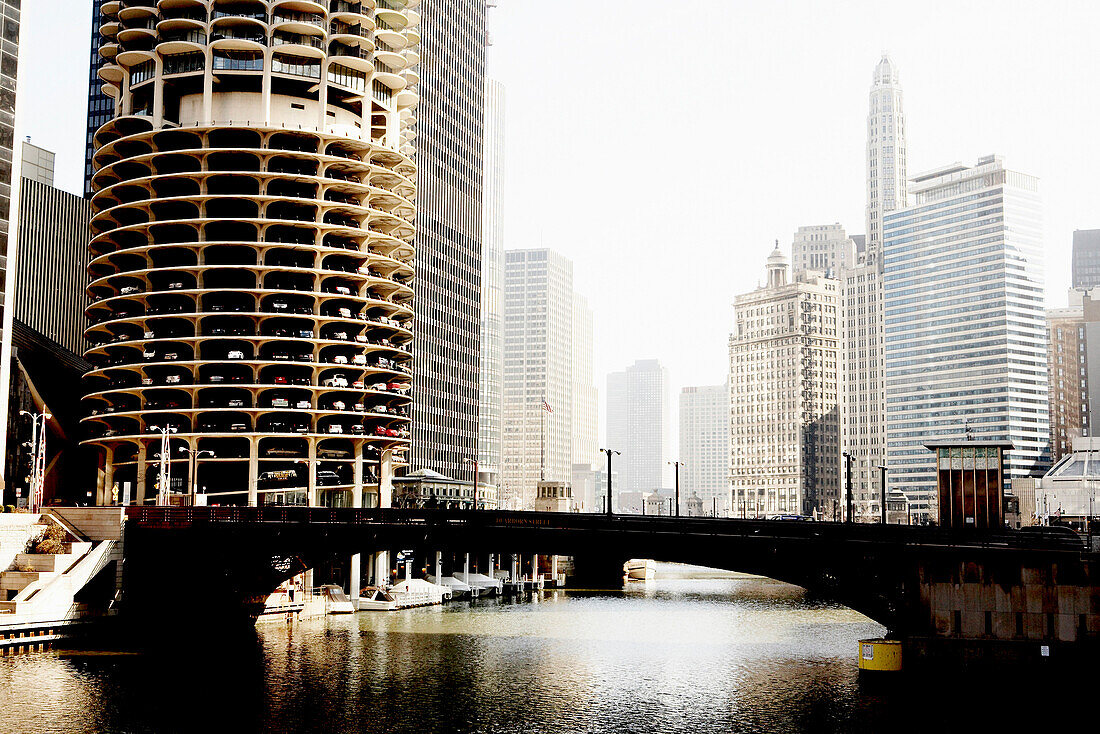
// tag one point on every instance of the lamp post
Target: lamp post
(882, 488)
(164, 476)
(848, 485)
(38, 458)
(468, 460)
(677, 465)
(193, 466)
(609, 453)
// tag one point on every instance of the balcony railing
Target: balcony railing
(282, 39)
(341, 6)
(190, 36)
(237, 34)
(285, 16)
(260, 16)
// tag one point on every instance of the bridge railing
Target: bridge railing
(923, 536)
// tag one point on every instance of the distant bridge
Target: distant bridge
(1001, 594)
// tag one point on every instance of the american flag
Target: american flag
(546, 407)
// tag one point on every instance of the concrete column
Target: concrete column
(535, 567)
(385, 479)
(265, 88)
(311, 467)
(393, 129)
(100, 477)
(554, 570)
(466, 569)
(357, 476)
(109, 477)
(140, 478)
(207, 89)
(158, 91)
(253, 472)
(438, 566)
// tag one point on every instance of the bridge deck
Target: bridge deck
(1045, 538)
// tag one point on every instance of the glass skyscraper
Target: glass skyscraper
(101, 108)
(447, 343)
(1086, 258)
(9, 204)
(965, 323)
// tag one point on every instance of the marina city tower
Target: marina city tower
(251, 258)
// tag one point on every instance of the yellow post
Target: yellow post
(879, 656)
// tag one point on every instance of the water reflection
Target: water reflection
(675, 656)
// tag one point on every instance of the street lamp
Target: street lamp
(164, 477)
(882, 489)
(848, 484)
(192, 466)
(677, 465)
(609, 453)
(38, 458)
(474, 462)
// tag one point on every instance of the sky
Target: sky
(664, 148)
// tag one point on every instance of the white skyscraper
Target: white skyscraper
(863, 416)
(548, 412)
(638, 425)
(491, 388)
(824, 247)
(965, 323)
(705, 446)
(885, 153)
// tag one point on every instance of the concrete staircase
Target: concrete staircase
(42, 588)
(17, 587)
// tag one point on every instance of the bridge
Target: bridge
(1007, 595)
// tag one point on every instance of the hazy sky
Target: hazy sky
(664, 147)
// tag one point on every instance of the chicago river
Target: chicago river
(674, 655)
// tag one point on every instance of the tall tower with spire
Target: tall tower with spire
(863, 410)
(885, 153)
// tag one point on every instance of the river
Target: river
(674, 655)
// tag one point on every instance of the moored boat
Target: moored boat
(640, 569)
(376, 599)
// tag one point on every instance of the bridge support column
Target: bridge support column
(355, 577)
(466, 569)
(438, 566)
(597, 571)
(535, 567)
(554, 570)
(382, 568)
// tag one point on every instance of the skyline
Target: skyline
(1009, 75)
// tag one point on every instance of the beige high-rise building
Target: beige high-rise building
(784, 395)
(1067, 371)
